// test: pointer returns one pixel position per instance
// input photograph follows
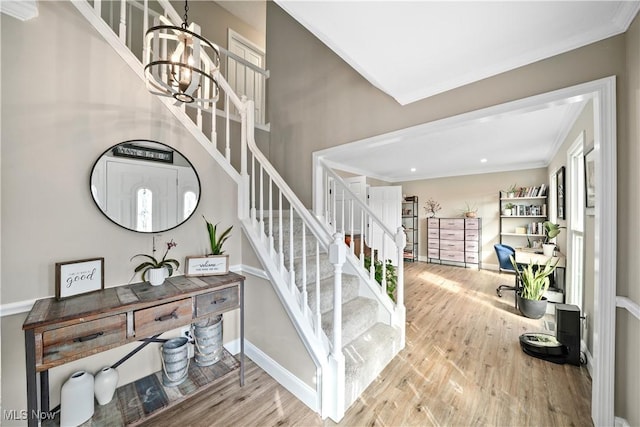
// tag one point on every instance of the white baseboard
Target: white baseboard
(298, 388)
(621, 422)
(585, 350)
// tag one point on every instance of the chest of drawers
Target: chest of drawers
(454, 240)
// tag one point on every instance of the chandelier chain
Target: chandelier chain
(186, 9)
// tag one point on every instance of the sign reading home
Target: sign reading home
(207, 266)
(79, 277)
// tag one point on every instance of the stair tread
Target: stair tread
(358, 315)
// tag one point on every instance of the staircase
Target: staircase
(320, 280)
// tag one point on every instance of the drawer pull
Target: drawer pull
(88, 337)
(218, 301)
(169, 316)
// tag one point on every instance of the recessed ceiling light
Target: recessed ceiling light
(483, 160)
(413, 169)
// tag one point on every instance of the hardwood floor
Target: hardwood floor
(462, 365)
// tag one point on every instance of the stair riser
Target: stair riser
(357, 316)
(349, 291)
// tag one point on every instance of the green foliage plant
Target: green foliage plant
(535, 280)
(391, 275)
(216, 241)
(169, 264)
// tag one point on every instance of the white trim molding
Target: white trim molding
(23, 10)
(629, 305)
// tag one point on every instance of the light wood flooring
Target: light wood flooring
(462, 366)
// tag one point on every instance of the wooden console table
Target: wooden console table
(58, 332)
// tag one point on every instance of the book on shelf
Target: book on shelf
(539, 191)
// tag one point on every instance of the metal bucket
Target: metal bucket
(175, 361)
(208, 341)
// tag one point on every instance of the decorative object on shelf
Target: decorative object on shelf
(153, 264)
(508, 209)
(551, 230)
(180, 63)
(511, 191)
(432, 207)
(207, 336)
(105, 383)
(175, 361)
(470, 210)
(590, 179)
(216, 262)
(560, 192)
(76, 399)
(79, 277)
(535, 282)
(391, 275)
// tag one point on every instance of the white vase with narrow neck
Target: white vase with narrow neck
(76, 399)
(156, 276)
(105, 383)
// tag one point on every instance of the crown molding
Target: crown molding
(23, 10)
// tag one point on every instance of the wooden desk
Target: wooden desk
(527, 255)
(58, 332)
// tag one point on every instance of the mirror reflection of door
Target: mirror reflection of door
(142, 197)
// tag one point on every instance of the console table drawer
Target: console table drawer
(82, 338)
(217, 301)
(452, 234)
(160, 318)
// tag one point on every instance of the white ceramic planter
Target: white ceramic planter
(547, 249)
(156, 276)
(76, 399)
(105, 383)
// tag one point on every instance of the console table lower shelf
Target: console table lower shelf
(142, 399)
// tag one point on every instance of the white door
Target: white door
(128, 183)
(243, 79)
(386, 202)
(349, 218)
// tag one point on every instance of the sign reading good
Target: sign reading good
(79, 277)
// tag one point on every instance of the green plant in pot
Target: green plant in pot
(535, 282)
(551, 231)
(157, 270)
(216, 241)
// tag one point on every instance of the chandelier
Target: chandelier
(180, 63)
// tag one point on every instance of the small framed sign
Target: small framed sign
(79, 277)
(206, 265)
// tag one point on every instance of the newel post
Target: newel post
(333, 394)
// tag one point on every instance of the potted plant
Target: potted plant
(551, 230)
(508, 209)
(391, 275)
(470, 210)
(535, 282)
(432, 207)
(216, 242)
(511, 191)
(157, 270)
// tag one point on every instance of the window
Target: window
(144, 208)
(189, 203)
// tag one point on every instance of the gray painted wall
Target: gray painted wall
(316, 101)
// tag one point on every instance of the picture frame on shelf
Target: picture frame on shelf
(79, 277)
(206, 265)
(560, 192)
(590, 179)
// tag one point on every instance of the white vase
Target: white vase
(105, 383)
(156, 276)
(76, 399)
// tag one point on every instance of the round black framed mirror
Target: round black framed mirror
(145, 186)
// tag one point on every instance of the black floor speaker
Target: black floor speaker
(568, 331)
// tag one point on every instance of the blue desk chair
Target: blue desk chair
(504, 252)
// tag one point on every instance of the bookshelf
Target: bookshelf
(410, 225)
(522, 213)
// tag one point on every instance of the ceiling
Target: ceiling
(395, 44)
